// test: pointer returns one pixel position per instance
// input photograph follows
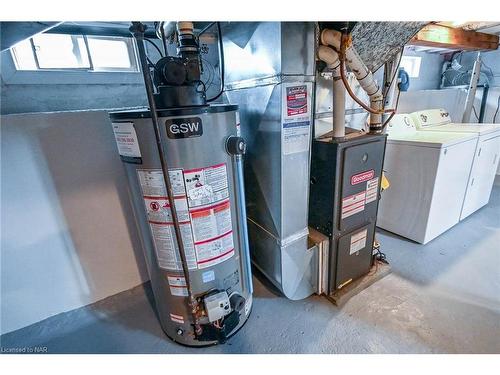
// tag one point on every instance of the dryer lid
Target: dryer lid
(431, 139)
(480, 129)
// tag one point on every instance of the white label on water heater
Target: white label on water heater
(126, 139)
(166, 247)
(358, 241)
(206, 185)
(177, 286)
(213, 233)
(153, 185)
(204, 213)
(159, 216)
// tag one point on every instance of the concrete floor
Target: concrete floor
(440, 298)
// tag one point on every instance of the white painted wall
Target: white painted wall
(452, 100)
(68, 237)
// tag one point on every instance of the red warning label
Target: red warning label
(202, 203)
(353, 204)
(296, 100)
(212, 231)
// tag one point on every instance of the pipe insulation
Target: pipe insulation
(331, 58)
(362, 74)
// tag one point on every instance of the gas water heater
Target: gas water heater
(196, 249)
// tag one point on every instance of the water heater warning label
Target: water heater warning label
(126, 139)
(203, 208)
(206, 185)
(159, 215)
(213, 234)
(177, 286)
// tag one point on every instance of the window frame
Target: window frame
(414, 58)
(10, 75)
(131, 49)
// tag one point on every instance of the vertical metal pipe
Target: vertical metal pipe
(137, 30)
(243, 220)
(484, 99)
(471, 93)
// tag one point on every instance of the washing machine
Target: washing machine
(428, 173)
(486, 156)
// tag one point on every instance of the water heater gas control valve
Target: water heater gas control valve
(217, 306)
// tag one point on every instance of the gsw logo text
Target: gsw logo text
(184, 127)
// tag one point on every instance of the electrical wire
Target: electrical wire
(396, 71)
(475, 113)
(154, 45)
(221, 65)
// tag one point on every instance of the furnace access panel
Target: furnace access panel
(343, 203)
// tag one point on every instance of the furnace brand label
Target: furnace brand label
(362, 177)
(358, 241)
(177, 286)
(185, 127)
(353, 204)
(126, 139)
(206, 185)
(371, 190)
(296, 100)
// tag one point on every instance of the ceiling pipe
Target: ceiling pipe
(331, 58)
(362, 74)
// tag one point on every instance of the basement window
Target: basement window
(411, 65)
(45, 52)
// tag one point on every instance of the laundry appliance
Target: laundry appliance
(428, 172)
(486, 156)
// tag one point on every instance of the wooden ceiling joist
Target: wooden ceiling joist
(438, 36)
